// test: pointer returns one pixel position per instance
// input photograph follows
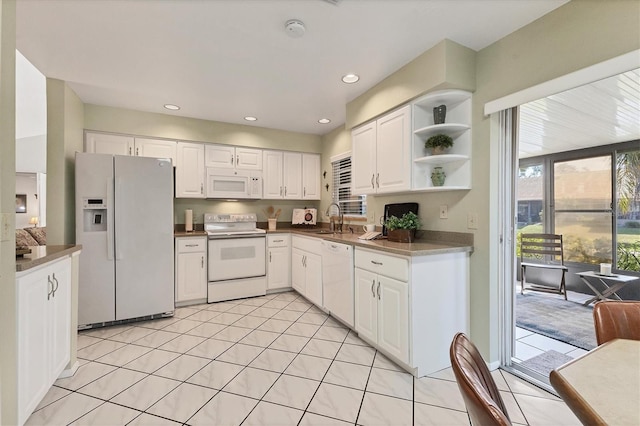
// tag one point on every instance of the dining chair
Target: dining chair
(479, 391)
(542, 251)
(615, 319)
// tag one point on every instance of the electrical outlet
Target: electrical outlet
(472, 220)
(444, 211)
(4, 227)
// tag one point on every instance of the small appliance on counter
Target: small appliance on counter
(304, 216)
(397, 210)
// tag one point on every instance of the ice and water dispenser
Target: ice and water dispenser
(95, 214)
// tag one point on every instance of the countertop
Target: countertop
(430, 243)
(43, 254)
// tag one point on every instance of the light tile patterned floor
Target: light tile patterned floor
(267, 360)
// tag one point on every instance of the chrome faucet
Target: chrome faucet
(332, 223)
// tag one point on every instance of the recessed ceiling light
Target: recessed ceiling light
(350, 78)
(250, 118)
(172, 107)
(324, 121)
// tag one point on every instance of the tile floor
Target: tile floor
(267, 360)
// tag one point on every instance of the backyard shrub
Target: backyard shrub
(632, 224)
(629, 256)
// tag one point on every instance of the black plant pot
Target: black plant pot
(439, 114)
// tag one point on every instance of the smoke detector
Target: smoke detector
(295, 28)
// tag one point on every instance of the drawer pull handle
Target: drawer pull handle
(373, 291)
(278, 241)
(191, 245)
(378, 290)
(376, 263)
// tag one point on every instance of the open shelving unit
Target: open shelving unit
(457, 162)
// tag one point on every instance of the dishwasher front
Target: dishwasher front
(337, 280)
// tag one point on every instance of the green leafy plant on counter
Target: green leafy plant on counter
(409, 220)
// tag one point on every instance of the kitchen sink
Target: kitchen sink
(325, 231)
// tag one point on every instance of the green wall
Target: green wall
(579, 34)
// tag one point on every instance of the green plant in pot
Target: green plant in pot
(439, 143)
(403, 229)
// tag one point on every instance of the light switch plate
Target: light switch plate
(444, 211)
(4, 227)
(472, 220)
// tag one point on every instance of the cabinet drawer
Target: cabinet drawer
(311, 245)
(191, 245)
(278, 240)
(390, 266)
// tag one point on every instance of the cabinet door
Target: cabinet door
(366, 304)
(313, 272)
(298, 276)
(393, 151)
(156, 148)
(310, 177)
(272, 176)
(191, 276)
(190, 170)
(60, 322)
(248, 159)
(33, 340)
(393, 317)
(278, 268)
(99, 143)
(220, 156)
(363, 159)
(292, 175)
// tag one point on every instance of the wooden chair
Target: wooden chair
(616, 320)
(479, 391)
(542, 251)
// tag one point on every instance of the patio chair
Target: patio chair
(542, 251)
(616, 320)
(479, 391)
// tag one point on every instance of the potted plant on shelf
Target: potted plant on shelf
(439, 143)
(403, 229)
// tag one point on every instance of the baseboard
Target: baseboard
(69, 371)
(493, 365)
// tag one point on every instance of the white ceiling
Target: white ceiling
(225, 59)
(600, 113)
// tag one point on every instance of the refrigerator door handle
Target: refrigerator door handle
(118, 219)
(110, 219)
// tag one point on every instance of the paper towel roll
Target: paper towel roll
(188, 220)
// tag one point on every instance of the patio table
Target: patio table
(602, 387)
(618, 280)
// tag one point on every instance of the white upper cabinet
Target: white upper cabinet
(190, 172)
(310, 177)
(230, 157)
(291, 175)
(381, 155)
(272, 175)
(101, 143)
(456, 163)
(156, 148)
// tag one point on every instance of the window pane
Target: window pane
(583, 184)
(586, 237)
(628, 203)
(530, 195)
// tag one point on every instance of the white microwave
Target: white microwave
(235, 184)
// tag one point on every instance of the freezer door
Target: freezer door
(96, 286)
(144, 236)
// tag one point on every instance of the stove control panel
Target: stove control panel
(230, 218)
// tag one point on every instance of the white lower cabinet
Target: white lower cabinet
(411, 307)
(44, 335)
(382, 312)
(306, 268)
(278, 261)
(191, 270)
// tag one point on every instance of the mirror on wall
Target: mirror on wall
(31, 145)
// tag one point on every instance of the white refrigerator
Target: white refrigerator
(124, 221)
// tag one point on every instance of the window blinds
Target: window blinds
(351, 205)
